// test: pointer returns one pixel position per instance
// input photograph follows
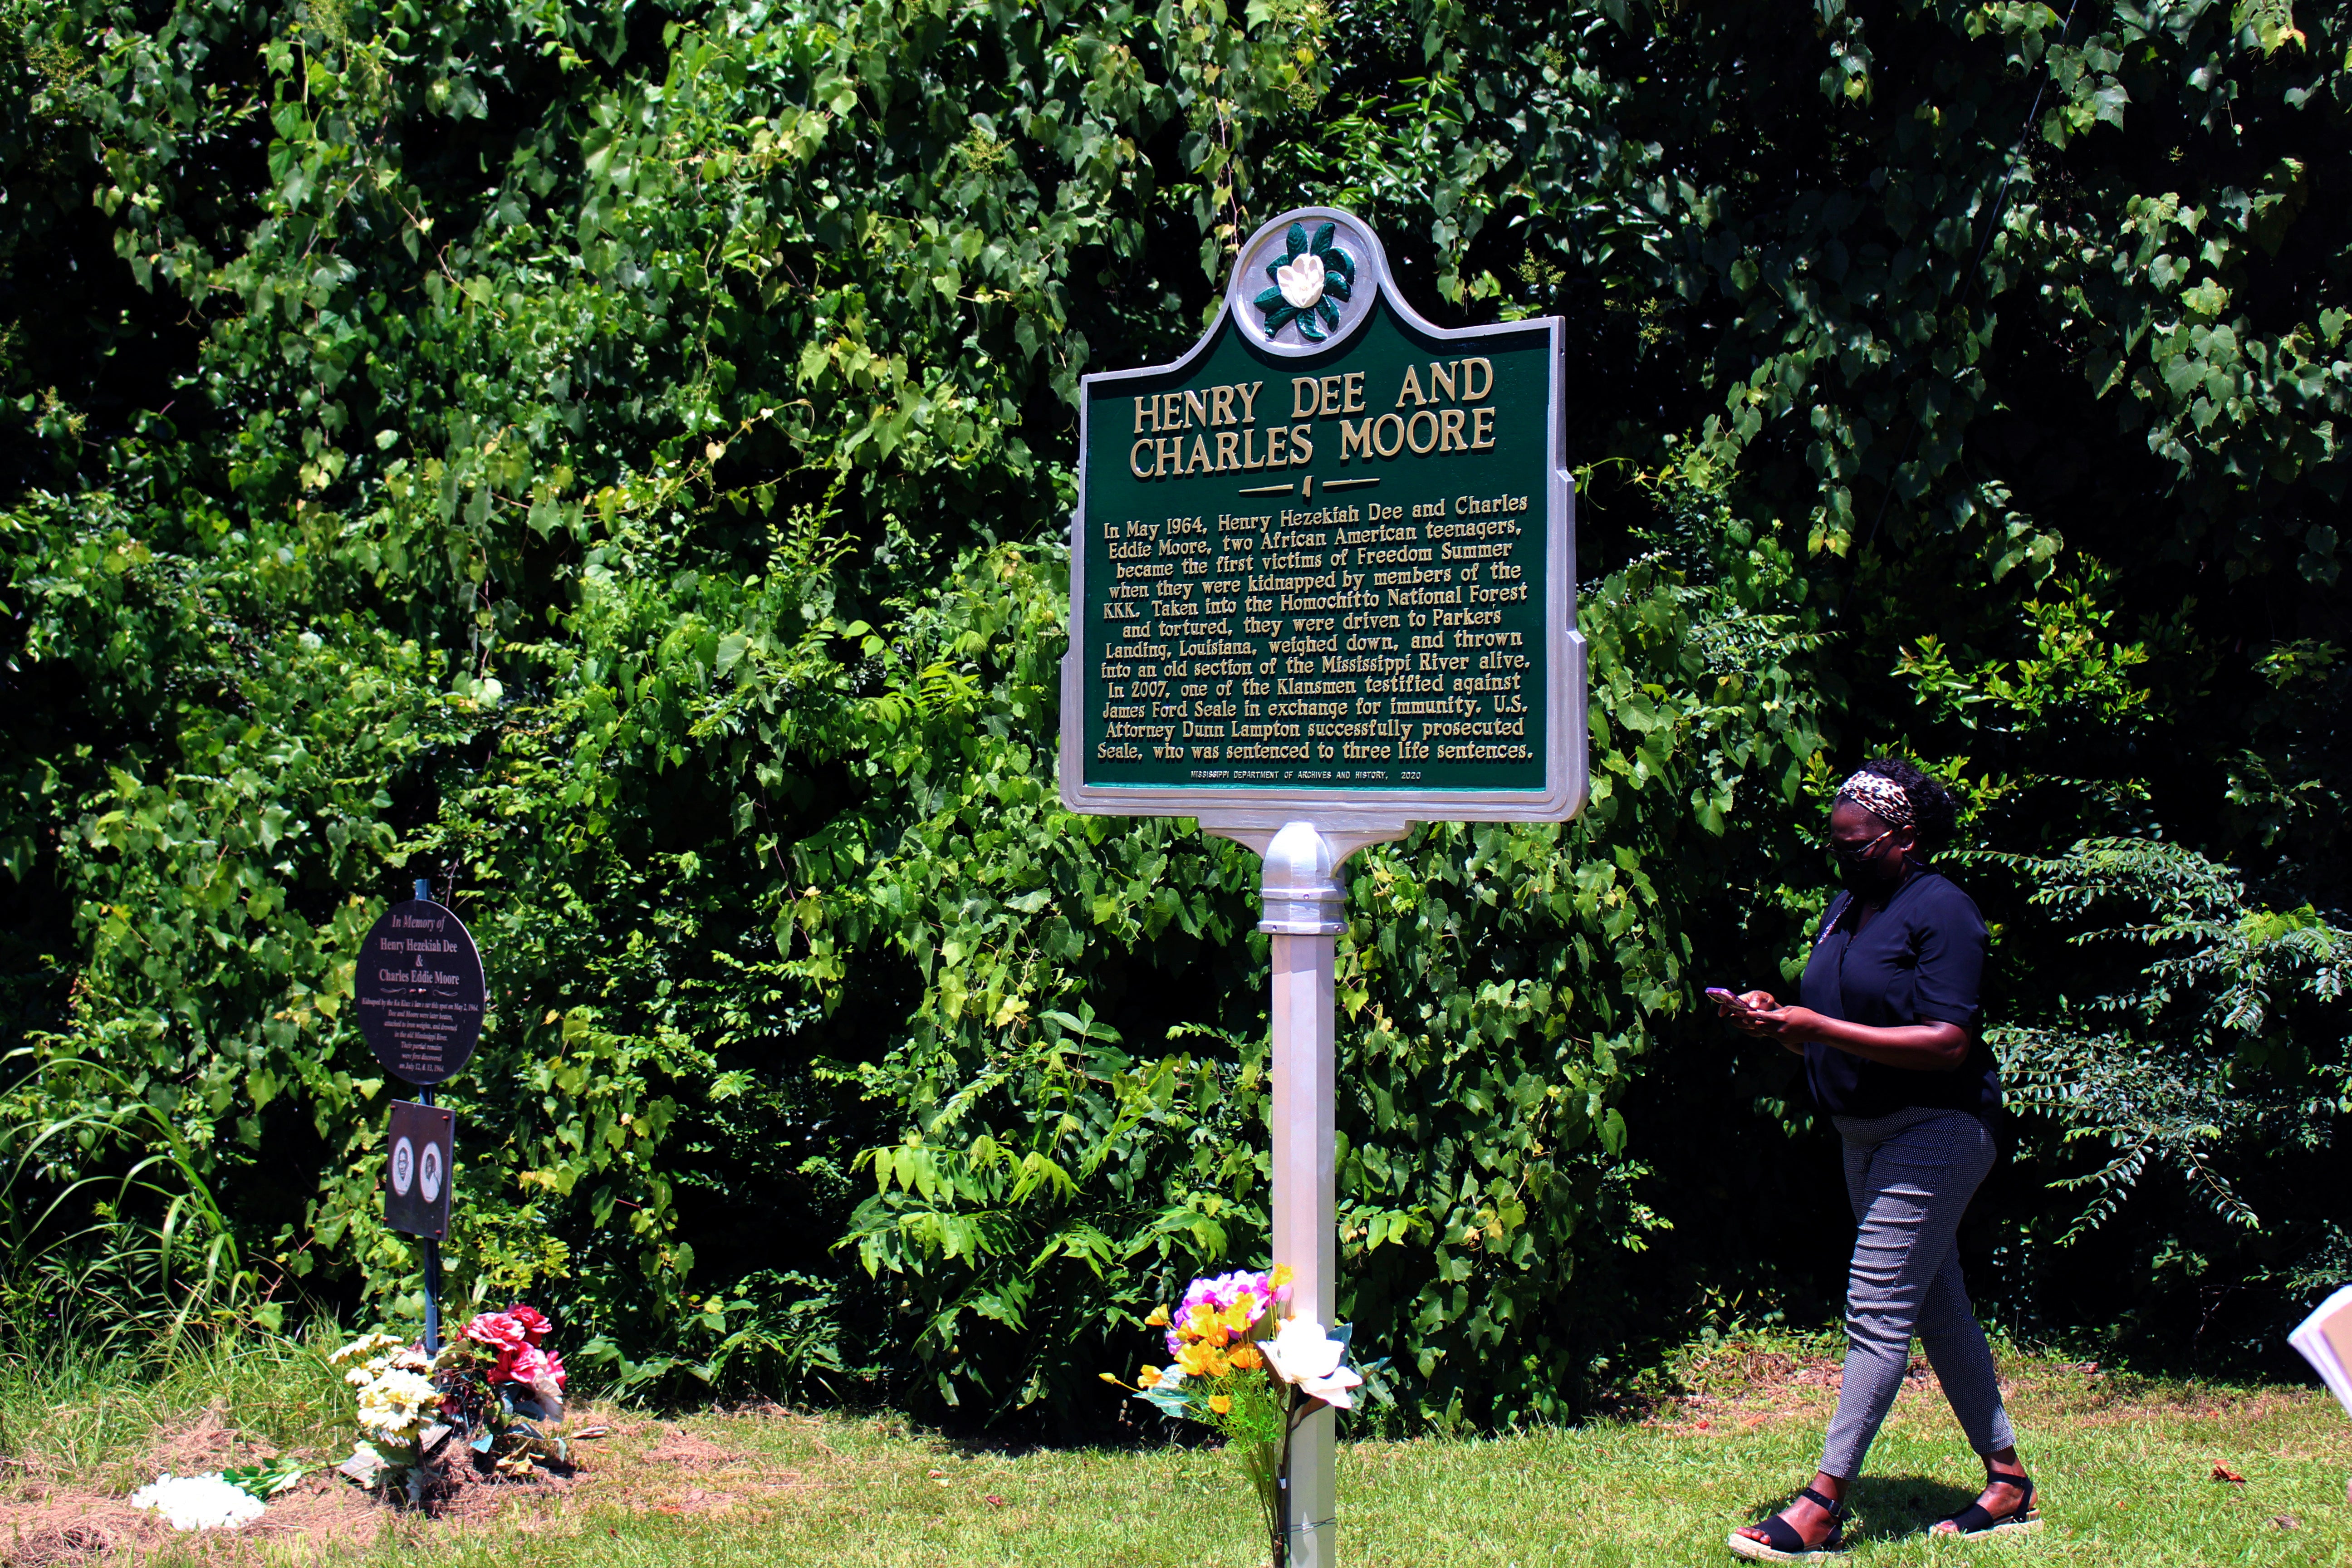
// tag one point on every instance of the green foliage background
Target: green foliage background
(613, 460)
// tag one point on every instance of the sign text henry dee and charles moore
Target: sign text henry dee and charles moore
(1326, 561)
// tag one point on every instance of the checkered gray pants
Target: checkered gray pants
(1910, 1176)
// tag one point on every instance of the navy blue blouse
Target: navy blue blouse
(1918, 960)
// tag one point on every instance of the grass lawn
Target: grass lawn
(2127, 1468)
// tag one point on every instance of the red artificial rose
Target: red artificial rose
(530, 1364)
(534, 1326)
(499, 1329)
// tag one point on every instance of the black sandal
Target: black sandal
(1976, 1520)
(1782, 1544)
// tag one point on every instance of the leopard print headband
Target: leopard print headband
(1880, 796)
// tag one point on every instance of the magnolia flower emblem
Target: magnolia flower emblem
(1301, 283)
(1311, 274)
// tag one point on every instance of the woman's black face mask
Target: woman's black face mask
(1865, 868)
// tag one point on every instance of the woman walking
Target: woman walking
(1887, 1024)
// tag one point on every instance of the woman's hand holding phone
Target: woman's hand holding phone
(1757, 1013)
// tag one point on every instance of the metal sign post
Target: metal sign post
(1304, 917)
(432, 1279)
(1322, 589)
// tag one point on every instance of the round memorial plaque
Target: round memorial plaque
(419, 992)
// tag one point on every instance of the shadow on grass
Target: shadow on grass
(1128, 1434)
(1892, 1507)
(1885, 1508)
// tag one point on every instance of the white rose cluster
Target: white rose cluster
(198, 1502)
(397, 1399)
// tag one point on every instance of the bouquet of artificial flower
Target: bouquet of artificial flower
(495, 1380)
(504, 1387)
(397, 1400)
(1252, 1375)
(198, 1502)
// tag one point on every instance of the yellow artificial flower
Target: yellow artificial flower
(1247, 1357)
(1158, 1319)
(1111, 1378)
(1194, 1359)
(1147, 1377)
(1281, 1276)
(1221, 1404)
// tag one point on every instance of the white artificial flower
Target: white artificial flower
(1301, 281)
(401, 1387)
(1301, 1352)
(198, 1502)
(398, 1432)
(365, 1348)
(367, 1372)
(1301, 1349)
(394, 1405)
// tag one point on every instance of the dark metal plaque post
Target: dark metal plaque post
(420, 997)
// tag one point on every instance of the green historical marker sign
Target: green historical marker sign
(1323, 566)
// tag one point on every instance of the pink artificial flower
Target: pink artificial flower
(500, 1329)
(527, 1365)
(534, 1326)
(1221, 1292)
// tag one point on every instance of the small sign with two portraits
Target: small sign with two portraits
(422, 1148)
